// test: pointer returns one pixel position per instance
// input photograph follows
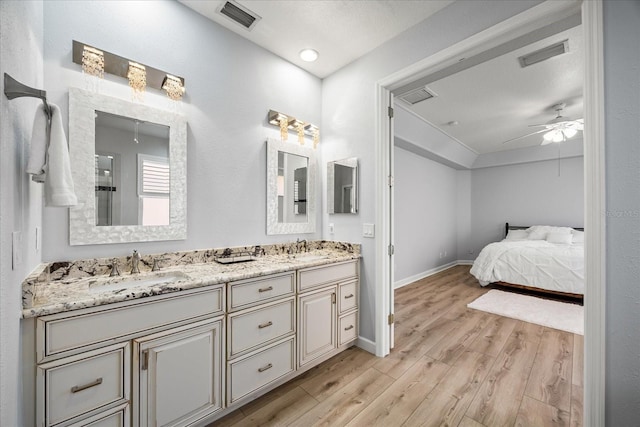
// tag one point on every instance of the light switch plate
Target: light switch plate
(368, 230)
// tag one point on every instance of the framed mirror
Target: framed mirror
(128, 163)
(291, 177)
(342, 186)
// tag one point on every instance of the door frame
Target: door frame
(594, 173)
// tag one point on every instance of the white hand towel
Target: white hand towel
(58, 186)
(39, 143)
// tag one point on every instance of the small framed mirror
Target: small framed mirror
(129, 171)
(291, 172)
(342, 186)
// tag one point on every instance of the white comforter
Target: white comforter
(535, 263)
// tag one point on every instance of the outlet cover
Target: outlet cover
(16, 249)
(368, 230)
(331, 228)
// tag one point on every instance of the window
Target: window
(154, 178)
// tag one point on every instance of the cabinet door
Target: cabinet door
(179, 375)
(317, 324)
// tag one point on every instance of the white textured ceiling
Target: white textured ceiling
(340, 30)
(493, 101)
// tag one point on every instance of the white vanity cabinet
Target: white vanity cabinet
(327, 311)
(261, 335)
(165, 354)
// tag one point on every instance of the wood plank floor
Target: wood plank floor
(451, 366)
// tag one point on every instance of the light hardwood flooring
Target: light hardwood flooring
(451, 366)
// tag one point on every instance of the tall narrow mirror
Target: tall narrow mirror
(290, 188)
(342, 186)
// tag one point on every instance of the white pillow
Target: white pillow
(517, 235)
(560, 238)
(538, 235)
(549, 229)
(578, 236)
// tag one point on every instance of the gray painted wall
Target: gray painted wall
(525, 194)
(622, 150)
(425, 214)
(230, 86)
(21, 41)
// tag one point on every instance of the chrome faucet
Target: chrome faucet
(135, 259)
(299, 242)
(156, 264)
(115, 269)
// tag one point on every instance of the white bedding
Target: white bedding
(536, 263)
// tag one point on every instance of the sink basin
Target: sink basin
(133, 281)
(308, 258)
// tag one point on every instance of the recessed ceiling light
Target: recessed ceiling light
(308, 55)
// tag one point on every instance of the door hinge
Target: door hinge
(391, 181)
(392, 250)
(391, 319)
(390, 111)
(144, 360)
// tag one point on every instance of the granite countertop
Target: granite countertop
(66, 286)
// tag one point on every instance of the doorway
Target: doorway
(591, 13)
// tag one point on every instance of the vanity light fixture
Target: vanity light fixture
(93, 62)
(308, 55)
(173, 86)
(137, 75)
(286, 123)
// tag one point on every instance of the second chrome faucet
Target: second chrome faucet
(135, 260)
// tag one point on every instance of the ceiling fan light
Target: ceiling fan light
(549, 135)
(570, 132)
(558, 136)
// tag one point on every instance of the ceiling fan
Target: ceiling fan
(558, 129)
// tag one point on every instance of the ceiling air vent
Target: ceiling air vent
(239, 14)
(417, 95)
(544, 53)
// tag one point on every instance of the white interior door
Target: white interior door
(391, 228)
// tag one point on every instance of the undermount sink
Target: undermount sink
(133, 281)
(310, 257)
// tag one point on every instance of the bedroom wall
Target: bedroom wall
(425, 216)
(21, 41)
(622, 175)
(549, 193)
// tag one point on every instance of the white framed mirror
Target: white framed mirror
(342, 186)
(291, 193)
(129, 164)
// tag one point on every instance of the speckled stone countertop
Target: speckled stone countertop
(72, 285)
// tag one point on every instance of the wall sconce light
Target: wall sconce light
(137, 75)
(286, 122)
(93, 62)
(173, 86)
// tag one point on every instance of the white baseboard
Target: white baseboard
(404, 282)
(366, 345)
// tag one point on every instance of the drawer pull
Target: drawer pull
(265, 325)
(264, 368)
(77, 388)
(267, 289)
(348, 327)
(348, 296)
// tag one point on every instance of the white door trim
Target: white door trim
(594, 177)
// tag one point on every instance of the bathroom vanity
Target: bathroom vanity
(186, 345)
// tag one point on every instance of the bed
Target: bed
(542, 258)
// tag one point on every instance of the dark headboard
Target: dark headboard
(508, 227)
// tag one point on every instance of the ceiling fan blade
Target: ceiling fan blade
(524, 136)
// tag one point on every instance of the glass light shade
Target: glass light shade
(308, 55)
(549, 135)
(570, 132)
(558, 136)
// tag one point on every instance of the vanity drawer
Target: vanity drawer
(347, 296)
(249, 373)
(84, 383)
(325, 274)
(247, 293)
(117, 417)
(348, 328)
(254, 327)
(90, 328)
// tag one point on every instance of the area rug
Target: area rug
(553, 314)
